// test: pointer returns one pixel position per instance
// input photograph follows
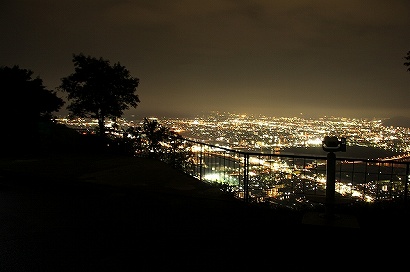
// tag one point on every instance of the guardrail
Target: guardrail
(290, 180)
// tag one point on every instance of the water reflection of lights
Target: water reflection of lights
(221, 178)
(348, 189)
(196, 148)
(281, 172)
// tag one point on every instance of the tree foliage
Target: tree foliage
(25, 98)
(26, 108)
(155, 140)
(154, 133)
(99, 90)
(408, 60)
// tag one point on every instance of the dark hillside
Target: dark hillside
(85, 211)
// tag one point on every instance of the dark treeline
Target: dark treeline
(96, 89)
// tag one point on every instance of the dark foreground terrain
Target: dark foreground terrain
(116, 213)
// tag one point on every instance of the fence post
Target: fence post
(246, 177)
(406, 186)
(200, 162)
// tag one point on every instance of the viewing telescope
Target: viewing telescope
(333, 144)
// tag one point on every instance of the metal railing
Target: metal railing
(290, 180)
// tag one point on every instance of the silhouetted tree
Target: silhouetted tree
(180, 153)
(408, 60)
(129, 143)
(24, 98)
(154, 133)
(26, 108)
(99, 90)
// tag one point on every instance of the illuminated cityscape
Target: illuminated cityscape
(263, 133)
(271, 177)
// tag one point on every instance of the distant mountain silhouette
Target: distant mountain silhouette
(397, 121)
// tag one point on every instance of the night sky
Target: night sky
(277, 58)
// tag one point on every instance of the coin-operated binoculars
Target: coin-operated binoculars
(331, 145)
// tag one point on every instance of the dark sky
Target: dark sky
(278, 58)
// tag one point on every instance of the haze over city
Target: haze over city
(278, 58)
